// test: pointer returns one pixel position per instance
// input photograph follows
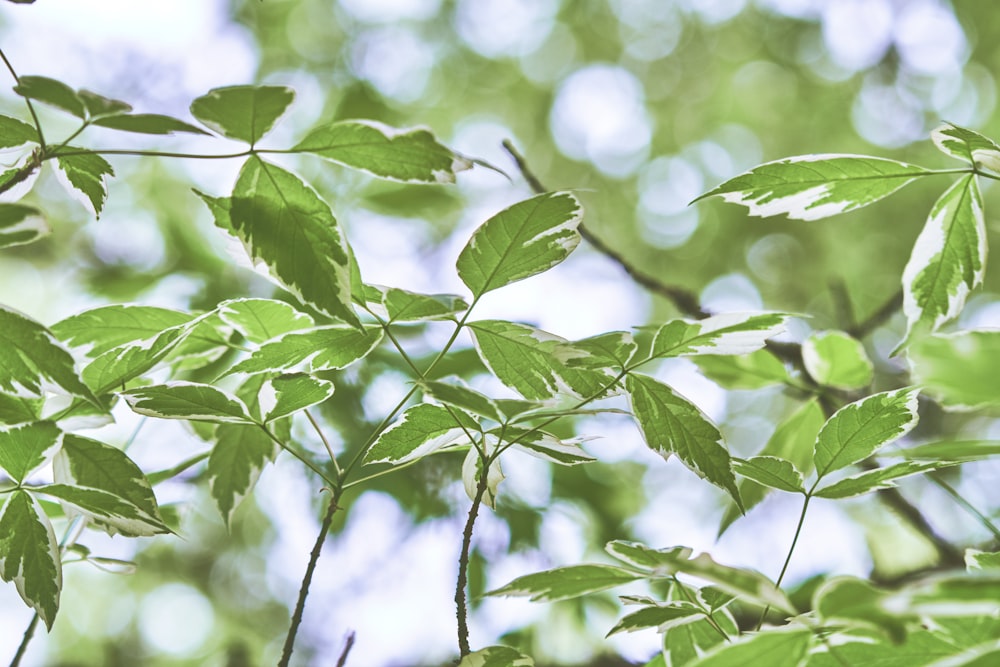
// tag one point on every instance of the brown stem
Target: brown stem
(300, 606)
(348, 644)
(461, 607)
(28, 634)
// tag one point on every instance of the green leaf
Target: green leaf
(51, 92)
(453, 391)
(771, 471)
(20, 224)
(29, 554)
(284, 223)
(99, 105)
(221, 210)
(684, 644)
(778, 647)
(949, 450)
(26, 447)
(422, 429)
(960, 594)
(399, 305)
(748, 585)
(835, 359)
(496, 656)
(85, 462)
(856, 602)
(948, 259)
(244, 113)
(293, 392)
(123, 363)
(412, 155)
(14, 132)
(240, 453)
(959, 370)
(19, 409)
(188, 400)
(472, 473)
(857, 430)
(919, 649)
(148, 123)
(260, 320)
(671, 424)
(530, 361)
(982, 560)
(525, 239)
(968, 146)
(873, 480)
(611, 350)
(810, 187)
(95, 331)
(31, 359)
(113, 513)
(661, 617)
(568, 582)
(747, 371)
(323, 348)
(730, 333)
(546, 446)
(85, 172)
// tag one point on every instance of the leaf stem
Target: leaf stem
(708, 613)
(29, 632)
(31, 107)
(300, 605)
(326, 443)
(461, 607)
(302, 459)
(788, 558)
(966, 505)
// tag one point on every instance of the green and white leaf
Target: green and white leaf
(564, 583)
(14, 132)
(20, 224)
(948, 259)
(411, 155)
(260, 320)
(835, 359)
(86, 172)
(810, 187)
(147, 123)
(113, 513)
(968, 146)
(422, 430)
(32, 360)
(188, 400)
(607, 351)
(29, 554)
(873, 480)
(771, 471)
(856, 602)
(399, 305)
(27, 447)
(240, 454)
(496, 656)
(546, 446)
(51, 92)
(95, 331)
(291, 392)
(777, 647)
(472, 473)
(659, 616)
(19, 409)
(949, 450)
(982, 560)
(283, 223)
(125, 362)
(525, 239)
(244, 113)
(452, 391)
(726, 334)
(959, 370)
(323, 348)
(857, 430)
(746, 371)
(671, 424)
(530, 361)
(684, 644)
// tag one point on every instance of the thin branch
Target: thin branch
(879, 317)
(461, 607)
(788, 558)
(28, 634)
(326, 443)
(31, 107)
(966, 505)
(683, 299)
(348, 645)
(300, 606)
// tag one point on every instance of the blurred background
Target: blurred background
(638, 105)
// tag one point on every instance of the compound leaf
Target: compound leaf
(568, 582)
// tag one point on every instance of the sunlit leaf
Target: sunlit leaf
(857, 430)
(949, 450)
(683, 644)
(525, 239)
(959, 370)
(86, 172)
(321, 348)
(14, 132)
(568, 582)
(771, 471)
(95, 331)
(19, 409)
(29, 554)
(120, 364)
(20, 224)
(289, 393)
(873, 480)
(423, 429)
(26, 447)
(148, 123)
(661, 617)
(239, 455)
(671, 424)
(283, 223)
(730, 333)
(260, 320)
(982, 560)
(603, 351)
(835, 359)
(244, 113)
(857, 602)
(412, 155)
(778, 647)
(948, 259)
(188, 400)
(810, 187)
(113, 513)
(546, 446)
(399, 305)
(455, 393)
(968, 146)
(496, 656)
(51, 92)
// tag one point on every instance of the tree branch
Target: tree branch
(348, 645)
(461, 607)
(879, 317)
(28, 634)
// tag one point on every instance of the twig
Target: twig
(300, 606)
(348, 644)
(31, 107)
(28, 633)
(683, 299)
(879, 317)
(461, 607)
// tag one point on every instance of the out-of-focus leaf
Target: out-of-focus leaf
(148, 123)
(496, 656)
(959, 370)
(661, 617)
(777, 647)
(949, 450)
(20, 224)
(835, 359)
(99, 105)
(746, 371)
(51, 92)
